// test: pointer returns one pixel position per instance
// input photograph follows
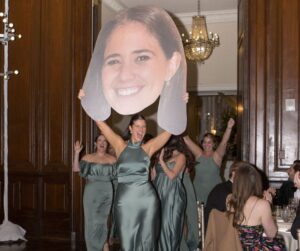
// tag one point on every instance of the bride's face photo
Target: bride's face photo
(134, 69)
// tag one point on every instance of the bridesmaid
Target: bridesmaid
(97, 169)
(138, 57)
(208, 161)
(168, 183)
(190, 239)
(136, 205)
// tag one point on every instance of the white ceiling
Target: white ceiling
(178, 6)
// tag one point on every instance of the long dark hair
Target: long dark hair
(247, 182)
(176, 142)
(156, 20)
(133, 118)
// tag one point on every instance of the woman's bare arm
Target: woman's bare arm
(268, 223)
(221, 149)
(179, 165)
(194, 148)
(114, 139)
(77, 150)
(156, 143)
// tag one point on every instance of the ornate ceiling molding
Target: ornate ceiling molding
(223, 16)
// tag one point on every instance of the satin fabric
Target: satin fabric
(190, 239)
(206, 177)
(173, 202)
(136, 206)
(97, 201)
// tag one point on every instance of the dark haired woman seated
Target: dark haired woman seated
(252, 215)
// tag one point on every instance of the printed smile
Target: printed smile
(128, 91)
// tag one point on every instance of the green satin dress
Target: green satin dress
(173, 202)
(206, 177)
(190, 241)
(97, 201)
(136, 206)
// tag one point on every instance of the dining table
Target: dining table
(284, 230)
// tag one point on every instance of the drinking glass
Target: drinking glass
(286, 214)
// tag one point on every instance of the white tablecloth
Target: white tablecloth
(284, 231)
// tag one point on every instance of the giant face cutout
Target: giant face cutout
(135, 68)
(138, 57)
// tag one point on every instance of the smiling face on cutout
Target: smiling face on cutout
(135, 68)
(138, 58)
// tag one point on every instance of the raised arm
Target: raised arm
(114, 139)
(222, 146)
(179, 165)
(156, 143)
(77, 150)
(194, 148)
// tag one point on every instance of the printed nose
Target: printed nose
(126, 72)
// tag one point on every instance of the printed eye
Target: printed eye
(143, 58)
(112, 61)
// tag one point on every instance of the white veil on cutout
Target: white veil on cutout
(171, 114)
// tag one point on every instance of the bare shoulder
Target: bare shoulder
(149, 147)
(180, 156)
(111, 159)
(180, 159)
(217, 158)
(88, 157)
(263, 206)
(263, 203)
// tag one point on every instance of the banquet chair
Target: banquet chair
(200, 210)
(220, 233)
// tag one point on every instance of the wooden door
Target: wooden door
(45, 116)
(268, 85)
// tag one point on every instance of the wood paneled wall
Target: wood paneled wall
(268, 84)
(45, 116)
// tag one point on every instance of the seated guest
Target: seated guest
(296, 223)
(288, 189)
(251, 211)
(217, 197)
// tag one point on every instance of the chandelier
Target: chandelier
(199, 45)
